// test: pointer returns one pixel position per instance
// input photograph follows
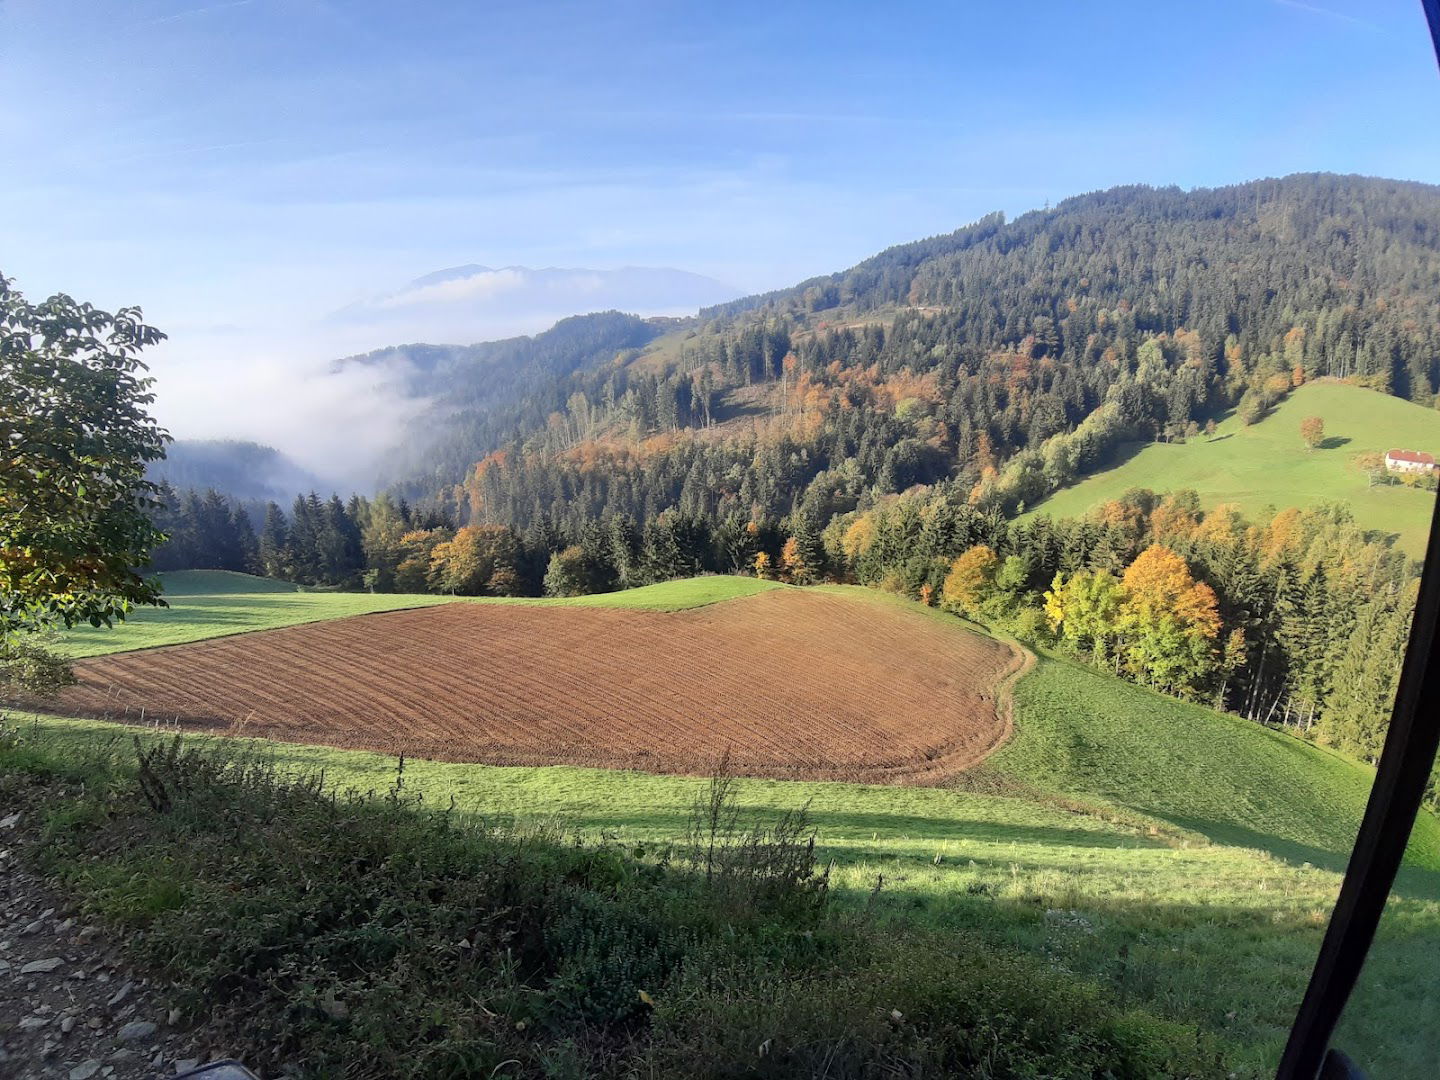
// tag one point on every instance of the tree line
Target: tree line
(385, 545)
(1299, 620)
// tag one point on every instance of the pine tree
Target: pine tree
(274, 543)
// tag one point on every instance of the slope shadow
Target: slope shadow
(1414, 882)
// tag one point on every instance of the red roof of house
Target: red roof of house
(1410, 455)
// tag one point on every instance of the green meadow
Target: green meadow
(215, 603)
(1184, 859)
(1266, 466)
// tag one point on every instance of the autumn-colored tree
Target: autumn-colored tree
(1277, 386)
(413, 569)
(763, 567)
(970, 579)
(792, 565)
(984, 455)
(1127, 514)
(1177, 516)
(467, 565)
(1294, 354)
(1168, 621)
(1232, 660)
(1312, 431)
(1223, 525)
(802, 558)
(1283, 533)
(859, 536)
(1210, 427)
(1372, 464)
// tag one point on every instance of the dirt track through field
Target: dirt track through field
(796, 684)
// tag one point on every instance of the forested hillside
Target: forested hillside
(1010, 356)
(484, 395)
(884, 424)
(245, 471)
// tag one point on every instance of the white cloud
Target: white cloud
(484, 285)
(338, 424)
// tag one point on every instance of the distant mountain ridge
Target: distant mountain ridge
(476, 302)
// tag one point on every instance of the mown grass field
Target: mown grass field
(1267, 466)
(1184, 859)
(213, 603)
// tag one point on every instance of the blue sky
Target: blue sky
(247, 165)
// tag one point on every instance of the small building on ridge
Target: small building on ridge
(1409, 461)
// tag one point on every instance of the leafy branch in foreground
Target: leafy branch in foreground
(75, 439)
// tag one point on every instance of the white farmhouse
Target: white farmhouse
(1409, 461)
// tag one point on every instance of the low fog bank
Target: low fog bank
(338, 422)
(282, 385)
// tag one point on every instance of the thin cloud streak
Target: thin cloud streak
(1327, 13)
(194, 12)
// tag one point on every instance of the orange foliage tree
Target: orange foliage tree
(970, 580)
(1168, 621)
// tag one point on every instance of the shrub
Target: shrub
(28, 668)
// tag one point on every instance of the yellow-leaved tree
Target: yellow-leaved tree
(970, 580)
(1167, 621)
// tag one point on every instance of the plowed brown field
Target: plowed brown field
(794, 684)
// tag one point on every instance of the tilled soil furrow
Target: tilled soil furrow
(793, 684)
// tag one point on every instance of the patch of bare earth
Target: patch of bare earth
(795, 684)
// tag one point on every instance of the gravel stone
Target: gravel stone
(136, 1031)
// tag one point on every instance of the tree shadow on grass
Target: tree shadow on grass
(1414, 882)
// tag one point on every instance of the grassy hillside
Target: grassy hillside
(1232, 781)
(1185, 859)
(1205, 933)
(1267, 464)
(214, 603)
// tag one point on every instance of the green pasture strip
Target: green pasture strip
(1266, 466)
(214, 603)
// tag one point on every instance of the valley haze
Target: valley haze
(289, 388)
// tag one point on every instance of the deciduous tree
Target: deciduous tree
(971, 577)
(75, 440)
(1167, 621)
